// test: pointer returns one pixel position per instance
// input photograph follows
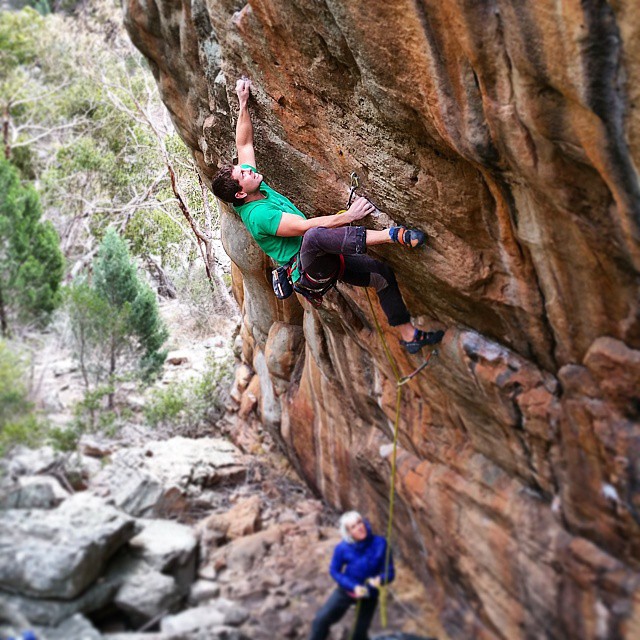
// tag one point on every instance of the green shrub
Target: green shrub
(166, 406)
(186, 407)
(19, 423)
(116, 329)
(64, 438)
(31, 263)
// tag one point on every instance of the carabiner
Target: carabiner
(355, 183)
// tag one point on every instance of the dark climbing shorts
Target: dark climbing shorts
(319, 258)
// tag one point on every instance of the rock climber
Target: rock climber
(318, 251)
(358, 566)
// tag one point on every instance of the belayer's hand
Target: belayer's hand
(243, 89)
(360, 591)
(360, 208)
(374, 582)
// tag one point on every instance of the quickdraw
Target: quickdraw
(355, 183)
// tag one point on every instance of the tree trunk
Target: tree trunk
(5, 130)
(210, 256)
(166, 288)
(112, 370)
(83, 364)
(4, 327)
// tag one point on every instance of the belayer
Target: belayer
(358, 566)
(315, 252)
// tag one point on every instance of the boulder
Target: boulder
(216, 613)
(177, 358)
(168, 547)
(270, 412)
(203, 590)
(215, 342)
(30, 462)
(59, 553)
(32, 492)
(51, 612)
(96, 446)
(163, 477)
(147, 593)
(243, 553)
(282, 349)
(52, 402)
(274, 602)
(250, 398)
(65, 367)
(76, 627)
(11, 618)
(241, 520)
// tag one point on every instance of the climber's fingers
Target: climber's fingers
(243, 87)
(360, 208)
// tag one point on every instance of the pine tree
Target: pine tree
(116, 322)
(31, 264)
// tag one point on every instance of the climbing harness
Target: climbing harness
(313, 289)
(400, 382)
(306, 285)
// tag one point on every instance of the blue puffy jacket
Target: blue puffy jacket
(354, 562)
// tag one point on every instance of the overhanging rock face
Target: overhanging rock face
(510, 132)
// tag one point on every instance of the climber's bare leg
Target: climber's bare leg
(385, 236)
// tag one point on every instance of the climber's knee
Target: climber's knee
(311, 236)
(378, 282)
(382, 277)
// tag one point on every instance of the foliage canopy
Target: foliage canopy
(115, 322)
(31, 264)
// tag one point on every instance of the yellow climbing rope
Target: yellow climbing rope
(400, 382)
(392, 485)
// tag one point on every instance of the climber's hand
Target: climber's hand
(375, 582)
(360, 208)
(360, 591)
(243, 89)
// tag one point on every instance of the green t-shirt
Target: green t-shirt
(262, 218)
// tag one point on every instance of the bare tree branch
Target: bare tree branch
(37, 98)
(46, 133)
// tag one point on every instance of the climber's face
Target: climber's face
(357, 530)
(248, 180)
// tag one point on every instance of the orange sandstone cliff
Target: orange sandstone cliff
(510, 132)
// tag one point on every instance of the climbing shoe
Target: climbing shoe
(421, 339)
(411, 238)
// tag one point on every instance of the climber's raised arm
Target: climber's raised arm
(244, 128)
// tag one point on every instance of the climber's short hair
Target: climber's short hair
(225, 187)
(346, 520)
